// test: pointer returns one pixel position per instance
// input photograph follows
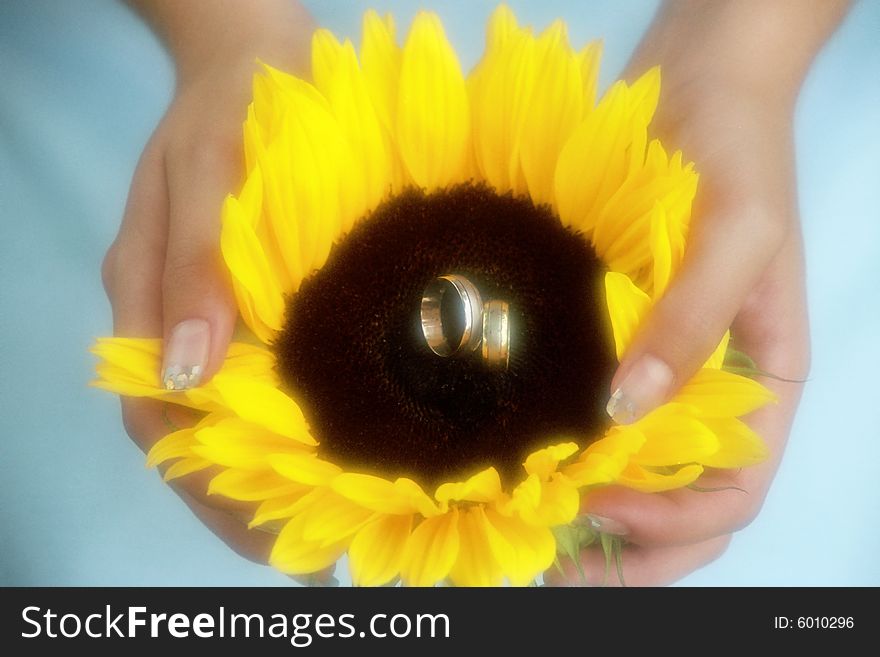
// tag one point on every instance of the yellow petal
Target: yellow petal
(138, 358)
(175, 445)
(249, 360)
(602, 461)
(184, 467)
(501, 27)
(501, 90)
(637, 477)
(338, 76)
(661, 251)
(431, 550)
(580, 170)
(242, 360)
(326, 55)
(313, 190)
(264, 405)
(590, 58)
(235, 443)
(400, 497)
(622, 226)
(627, 306)
(544, 503)
(672, 437)
(332, 519)
(555, 110)
(644, 94)
(475, 564)
(279, 217)
(716, 360)
(525, 498)
(625, 229)
(543, 463)
(250, 485)
(560, 502)
(304, 468)
(596, 159)
(276, 508)
(380, 62)
(376, 552)
(484, 486)
(294, 555)
(380, 59)
(521, 550)
(716, 393)
(250, 268)
(739, 446)
(433, 119)
(130, 366)
(245, 304)
(113, 380)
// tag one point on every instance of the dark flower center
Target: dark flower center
(379, 401)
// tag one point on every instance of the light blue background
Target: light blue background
(82, 84)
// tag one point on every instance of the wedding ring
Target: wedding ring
(496, 333)
(438, 300)
(456, 321)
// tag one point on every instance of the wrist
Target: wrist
(213, 35)
(758, 48)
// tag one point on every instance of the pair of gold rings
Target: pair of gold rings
(456, 321)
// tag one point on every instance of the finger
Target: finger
(739, 230)
(148, 421)
(252, 544)
(676, 518)
(133, 266)
(640, 566)
(772, 327)
(132, 274)
(197, 304)
(725, 502)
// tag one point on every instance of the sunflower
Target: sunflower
(391, 168)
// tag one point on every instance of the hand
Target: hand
(164, 273)
(743, 269)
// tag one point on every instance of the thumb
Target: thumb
(727, 254)
(199, 311)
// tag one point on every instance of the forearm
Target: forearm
(766, 46)
(202, 33)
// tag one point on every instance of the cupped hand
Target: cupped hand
(164, 273)
(743, 270)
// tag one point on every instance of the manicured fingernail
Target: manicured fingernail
(603, 524)
(185, 354)
(645, 387)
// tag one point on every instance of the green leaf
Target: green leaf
(166, 419)
(566, 540)
(586, 536)
(737, 358)
(607, 549)
(737, 362)
(618, 559)
(568, 545)
(715, 489)
(558, 565)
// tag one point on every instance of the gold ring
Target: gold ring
(496, 333)
(465, 336)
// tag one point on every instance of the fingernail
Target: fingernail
(645, 387)
(603, 524)
(185, 354)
